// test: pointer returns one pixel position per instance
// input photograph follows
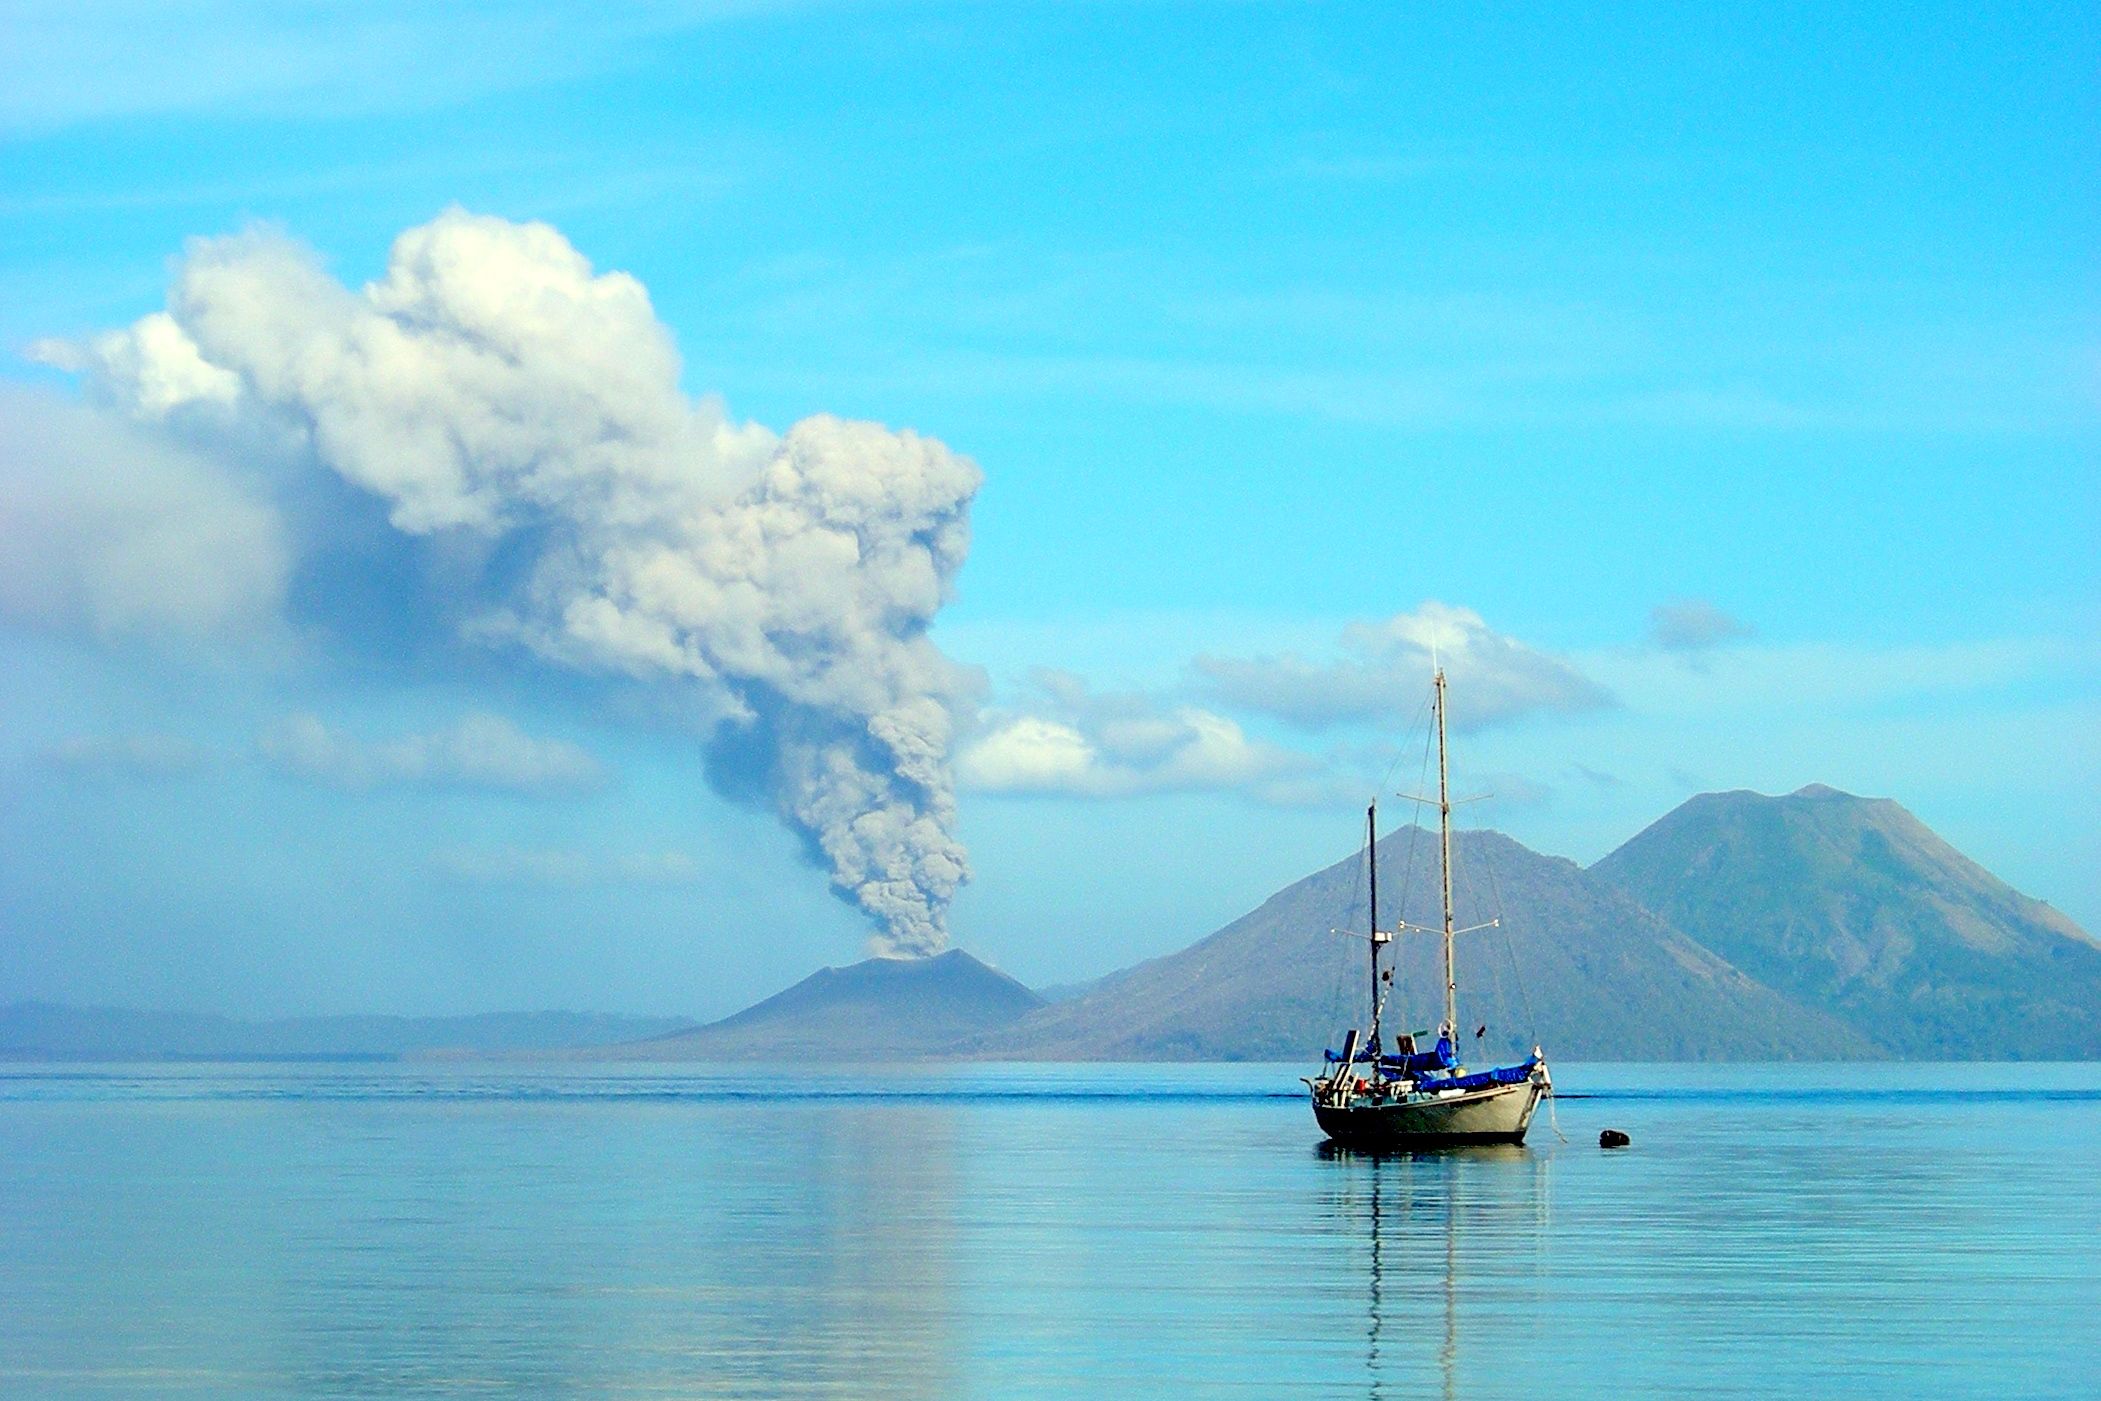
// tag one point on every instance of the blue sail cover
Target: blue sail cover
(1506, 1075)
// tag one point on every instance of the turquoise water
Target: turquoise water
(322, 1231)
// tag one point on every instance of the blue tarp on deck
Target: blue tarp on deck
(1505, 1075)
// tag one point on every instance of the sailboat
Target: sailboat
(1374, 1097)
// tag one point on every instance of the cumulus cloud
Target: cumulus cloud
(1694, 625)
(481, 751)
(1066, 741)
(1385, 670)
(511, 407)
(150, 366)
(119, 532)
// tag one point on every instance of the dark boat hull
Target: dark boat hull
(1499, 1114)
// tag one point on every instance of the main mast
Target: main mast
(1371, 854)
(1444, 824)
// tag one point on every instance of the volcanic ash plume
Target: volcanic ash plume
(508, 405)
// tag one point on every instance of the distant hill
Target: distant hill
(1816, 926)
(1854, 905)
(50, 1031)
(1577, 966)
(878, 1009)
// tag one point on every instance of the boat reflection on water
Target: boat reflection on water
(1447, 1242)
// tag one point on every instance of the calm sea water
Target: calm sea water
(327, 1231)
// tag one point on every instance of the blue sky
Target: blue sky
(1267, 327)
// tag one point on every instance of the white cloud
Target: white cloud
(1385, 676)
(1068, 742)
(481, 751)
(151, 367)
(119, 532)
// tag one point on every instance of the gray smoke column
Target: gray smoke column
(492, 389)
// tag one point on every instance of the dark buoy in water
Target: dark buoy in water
(1613, 1138)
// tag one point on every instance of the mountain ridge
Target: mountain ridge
(1279, 983)
(1854, 904)
(877, 1009)
(1812, 925)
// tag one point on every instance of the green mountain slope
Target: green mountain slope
(1854, 905)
